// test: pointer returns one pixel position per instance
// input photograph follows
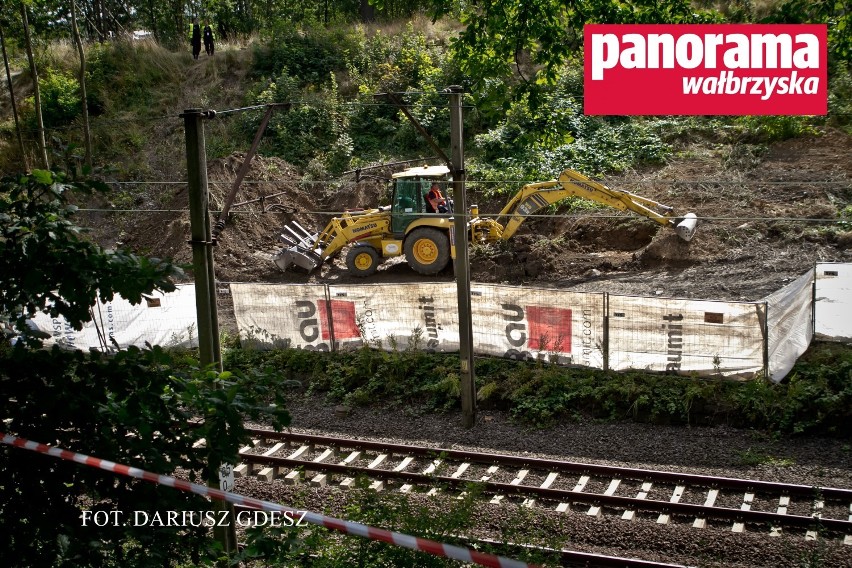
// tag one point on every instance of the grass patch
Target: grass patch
(752, 458)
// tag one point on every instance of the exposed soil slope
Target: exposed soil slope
(752, 237)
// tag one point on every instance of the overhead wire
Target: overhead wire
(496, 214)
(100, 122)
(507, 181)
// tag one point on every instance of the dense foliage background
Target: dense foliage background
(520, 62)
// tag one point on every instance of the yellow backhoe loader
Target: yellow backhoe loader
(404, 227)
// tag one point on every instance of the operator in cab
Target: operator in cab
(435, 202)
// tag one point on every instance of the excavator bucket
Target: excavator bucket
(686, 228)
(300, 248)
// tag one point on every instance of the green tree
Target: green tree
(835, 13)
(529, 41)
(133, 406)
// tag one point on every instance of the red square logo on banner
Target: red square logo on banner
(343, 317)
(705, 69)
(550, 329)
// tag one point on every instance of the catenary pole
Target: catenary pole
(205, 282)
(12, 100)
(462, 262)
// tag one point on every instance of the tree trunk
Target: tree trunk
(98, 13)
(12, 98)
(36, 90)
(87, 133)
(180, 25)
(368, 12)
(153, 14)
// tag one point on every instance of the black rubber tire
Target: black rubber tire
(427, 250)
(362, 261)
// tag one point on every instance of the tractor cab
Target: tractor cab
(409, 194)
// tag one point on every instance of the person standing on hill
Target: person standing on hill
(209, 38)
(195, 38)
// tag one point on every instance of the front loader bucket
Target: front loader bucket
(301, 249)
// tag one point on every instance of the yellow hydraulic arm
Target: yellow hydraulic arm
(535, 196)
(349, 227)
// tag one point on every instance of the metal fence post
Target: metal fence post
(606, 332)
(765, 331)
(813, 300)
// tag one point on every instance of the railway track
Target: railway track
(737, 505)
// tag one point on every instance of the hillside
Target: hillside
(751, 241)
(772, 195)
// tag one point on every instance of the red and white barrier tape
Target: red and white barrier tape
(357, 529)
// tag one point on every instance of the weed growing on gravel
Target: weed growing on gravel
(438, 518)
(814, 552)
(751, 458)
(845, 218)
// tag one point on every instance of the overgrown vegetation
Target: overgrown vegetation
(132, 406)
(443, 518)
(518, 128)
(816, 398)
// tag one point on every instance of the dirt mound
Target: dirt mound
(366, 194)
(668, 250)
(752, 239)
(270, 196)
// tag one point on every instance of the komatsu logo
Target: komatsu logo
(732, 69)
(365, 228)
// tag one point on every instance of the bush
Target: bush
(60, 99)
(840, 98)
(131, 406)
(308, 56)
(816, 399)
(763, 129)
(537, 139)
(314, 127)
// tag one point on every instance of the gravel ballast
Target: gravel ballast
(718, 451)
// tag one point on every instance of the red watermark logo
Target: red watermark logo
(695, 69)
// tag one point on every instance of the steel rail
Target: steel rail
(598, 499)
(561, 466)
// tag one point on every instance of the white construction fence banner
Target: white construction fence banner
(421, 316)
(319, 317)
(790, 324)
(536, 323)
(833, 306)
(674, 335)
(569, 328)
(161, 319)
(282, 315)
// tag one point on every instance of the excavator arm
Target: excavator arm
(536, 196)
